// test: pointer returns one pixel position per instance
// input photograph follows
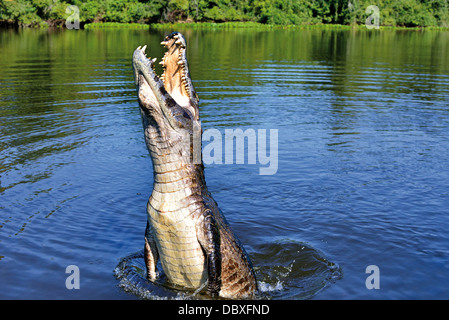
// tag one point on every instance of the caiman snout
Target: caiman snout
(174, 83)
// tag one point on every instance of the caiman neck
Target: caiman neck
(178, 188)
(174, 173)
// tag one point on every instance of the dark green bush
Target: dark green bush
(409, 13)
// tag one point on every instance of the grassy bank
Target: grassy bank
(241, 25)
(115, 25)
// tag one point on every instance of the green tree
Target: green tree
(392, 12)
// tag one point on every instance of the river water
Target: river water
(362, 170)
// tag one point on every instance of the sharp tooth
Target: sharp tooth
(161, 62)
(163, 43)
(178, 41)
(154, 60)
(144, 48)
(139, 47)
(180, 62)
(176, 36)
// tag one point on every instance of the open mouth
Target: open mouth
(174, 83)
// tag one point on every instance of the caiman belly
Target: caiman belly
(175, 235)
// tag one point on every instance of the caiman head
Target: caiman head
(168, 103)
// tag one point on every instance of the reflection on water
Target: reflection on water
(362, 120)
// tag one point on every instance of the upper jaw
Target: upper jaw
(175, 82)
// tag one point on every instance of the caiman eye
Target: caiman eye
(186, 115)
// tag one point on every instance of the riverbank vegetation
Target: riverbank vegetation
(396, 13)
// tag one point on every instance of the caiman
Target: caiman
(185, 230)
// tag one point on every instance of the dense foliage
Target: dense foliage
(408, 13)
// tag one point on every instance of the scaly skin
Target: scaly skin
(185, 227)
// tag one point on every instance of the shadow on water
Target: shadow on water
(285, 270)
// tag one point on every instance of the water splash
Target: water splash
(285, 270)
(289, 269)
(131, 273)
